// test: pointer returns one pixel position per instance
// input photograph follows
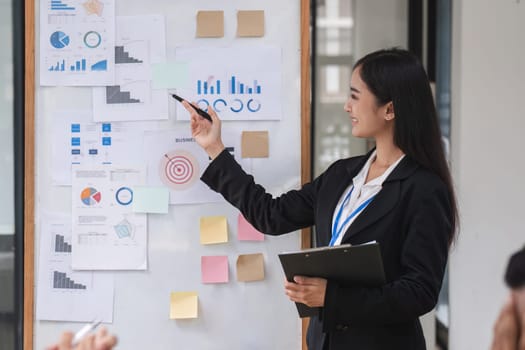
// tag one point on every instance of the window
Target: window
(7, 217)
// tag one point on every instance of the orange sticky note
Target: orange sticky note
(250, 267)
(214, 229)
(246, 232)
(250, 23)
(210, 24)
(184, 305)
(255, 144)
(214, 269)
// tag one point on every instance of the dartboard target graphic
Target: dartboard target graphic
(179, 169)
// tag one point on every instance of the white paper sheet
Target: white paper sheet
(176, 161)
(78, 140)
(107, 235)
(64, 294)
(140, 41)
(240, 83)
(77, 42)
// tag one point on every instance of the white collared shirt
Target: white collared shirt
(361, 193)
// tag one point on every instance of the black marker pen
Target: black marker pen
(197, 109)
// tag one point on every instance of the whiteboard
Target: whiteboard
(235, 315)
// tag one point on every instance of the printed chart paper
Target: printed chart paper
(240, 83)
(64, 294)
(140, 41)
(78, 140)
(107, 235)
(77, 40)
(176, 161)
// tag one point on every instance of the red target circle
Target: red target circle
(179, 169)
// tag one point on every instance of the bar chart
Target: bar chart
(62, 281)
(114, 95)
(207, 88)
(78, 66)
(61, 246)
(122, 56)
(58, 5)
(235, 87)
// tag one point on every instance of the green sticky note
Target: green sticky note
(170, 75)
(151, 200)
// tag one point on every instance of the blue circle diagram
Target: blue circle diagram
(124, 196)
(59, 40)
(92, 39)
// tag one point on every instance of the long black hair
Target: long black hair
(397, 75)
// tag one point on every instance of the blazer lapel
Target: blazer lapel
(352, 170)
(384, 201)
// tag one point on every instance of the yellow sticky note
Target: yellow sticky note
(214, 229)
(210, 24)
(250, 267)
(250, 23)
(255, 144)
(184, 305)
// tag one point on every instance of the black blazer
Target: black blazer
(410, 218)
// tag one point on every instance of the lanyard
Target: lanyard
(336, 230)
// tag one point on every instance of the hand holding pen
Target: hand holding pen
(194, 107)
(206, 133)
(102, 340)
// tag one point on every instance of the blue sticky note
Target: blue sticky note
(151, 200)
(170, 75)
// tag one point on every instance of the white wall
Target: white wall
(380, 24)
(488, 122)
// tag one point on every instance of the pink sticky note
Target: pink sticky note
(246, 232)
(214, 269)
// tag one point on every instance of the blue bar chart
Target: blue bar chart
(206, 88)
(236, 87)
(78, 66)
(58, 5)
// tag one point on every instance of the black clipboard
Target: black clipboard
(359, 265)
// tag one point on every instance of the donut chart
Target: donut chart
(90, 196)
(179, 169)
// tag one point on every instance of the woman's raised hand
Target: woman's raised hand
(207, 135)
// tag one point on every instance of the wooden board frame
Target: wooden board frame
(29, 181)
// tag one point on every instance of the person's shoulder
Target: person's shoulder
(426, 181)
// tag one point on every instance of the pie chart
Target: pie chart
(90, 196)
(59, 40)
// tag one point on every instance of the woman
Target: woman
(400, 194)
